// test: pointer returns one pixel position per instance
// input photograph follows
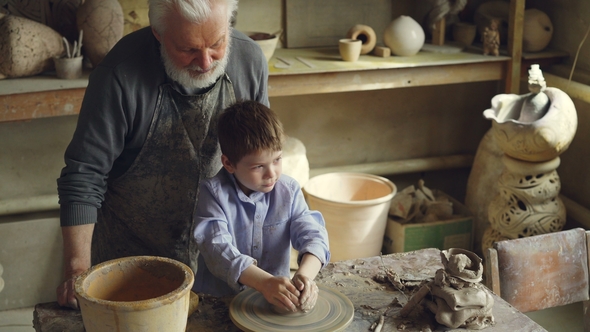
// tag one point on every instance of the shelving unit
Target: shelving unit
(46, 96)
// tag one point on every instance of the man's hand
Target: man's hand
(65, 292)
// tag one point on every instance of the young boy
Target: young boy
(248, 215)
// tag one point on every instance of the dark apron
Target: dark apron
(149, 209)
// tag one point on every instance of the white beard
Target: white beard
(191, 77)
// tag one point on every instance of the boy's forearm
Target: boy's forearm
(254, 277)
(310, 266)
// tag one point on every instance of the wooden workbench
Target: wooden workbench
(360, 280)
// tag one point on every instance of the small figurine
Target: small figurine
(491, 39)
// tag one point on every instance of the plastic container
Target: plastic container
(355, 208)
(139, 293)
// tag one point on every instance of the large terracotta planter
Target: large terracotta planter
(139, 293)
(102, 23)
(27, 47)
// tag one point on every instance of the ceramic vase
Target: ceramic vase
(364, 33)
(540, 140)
(404, 36)
(26, 47)
(537, 30)
(102, 24)
(350, 49)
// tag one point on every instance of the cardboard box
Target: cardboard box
(453, 233)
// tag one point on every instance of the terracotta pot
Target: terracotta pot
(464, 33)
(350, 49)
(138, 293)
(27, 47)
(102, 23)
(540, 140)
(364, 33)
(537, 30)
(404, 36)
(355, 208)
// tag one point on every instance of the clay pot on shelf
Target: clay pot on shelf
(537, 30)
(464, 33)
(350, 49)
(102, 23)
(366, 35)
(404, 36)
(266, 41)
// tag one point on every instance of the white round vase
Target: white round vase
(404, 36)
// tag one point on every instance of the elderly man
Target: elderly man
(146, 135)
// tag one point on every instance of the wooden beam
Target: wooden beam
(515, 32)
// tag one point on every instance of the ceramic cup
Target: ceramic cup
(68, 68)
(350, 49)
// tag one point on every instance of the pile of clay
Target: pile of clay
(456, 296)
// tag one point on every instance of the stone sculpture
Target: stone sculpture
(26, 47)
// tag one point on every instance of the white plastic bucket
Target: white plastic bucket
(355, 207)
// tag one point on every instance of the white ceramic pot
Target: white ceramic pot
(404, 36)
(267, 42)
(537, 30)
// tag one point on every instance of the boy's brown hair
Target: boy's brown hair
(247, 127)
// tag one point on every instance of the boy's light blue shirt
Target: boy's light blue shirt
(234, 231)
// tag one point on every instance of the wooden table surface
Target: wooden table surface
(361, 280)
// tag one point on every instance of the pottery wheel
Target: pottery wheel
(250, 311)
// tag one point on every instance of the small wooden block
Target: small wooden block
(438, 33)
(382, 51)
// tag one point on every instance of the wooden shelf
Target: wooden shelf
(46, 96)
(321, 71)
(331, 74)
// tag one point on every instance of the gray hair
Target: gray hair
(195, 11)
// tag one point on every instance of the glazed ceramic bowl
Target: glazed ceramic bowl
(266, 41)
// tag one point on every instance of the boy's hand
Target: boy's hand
(309, 292)
(281, 292)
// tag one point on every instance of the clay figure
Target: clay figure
(491, 39)
(455, 296)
